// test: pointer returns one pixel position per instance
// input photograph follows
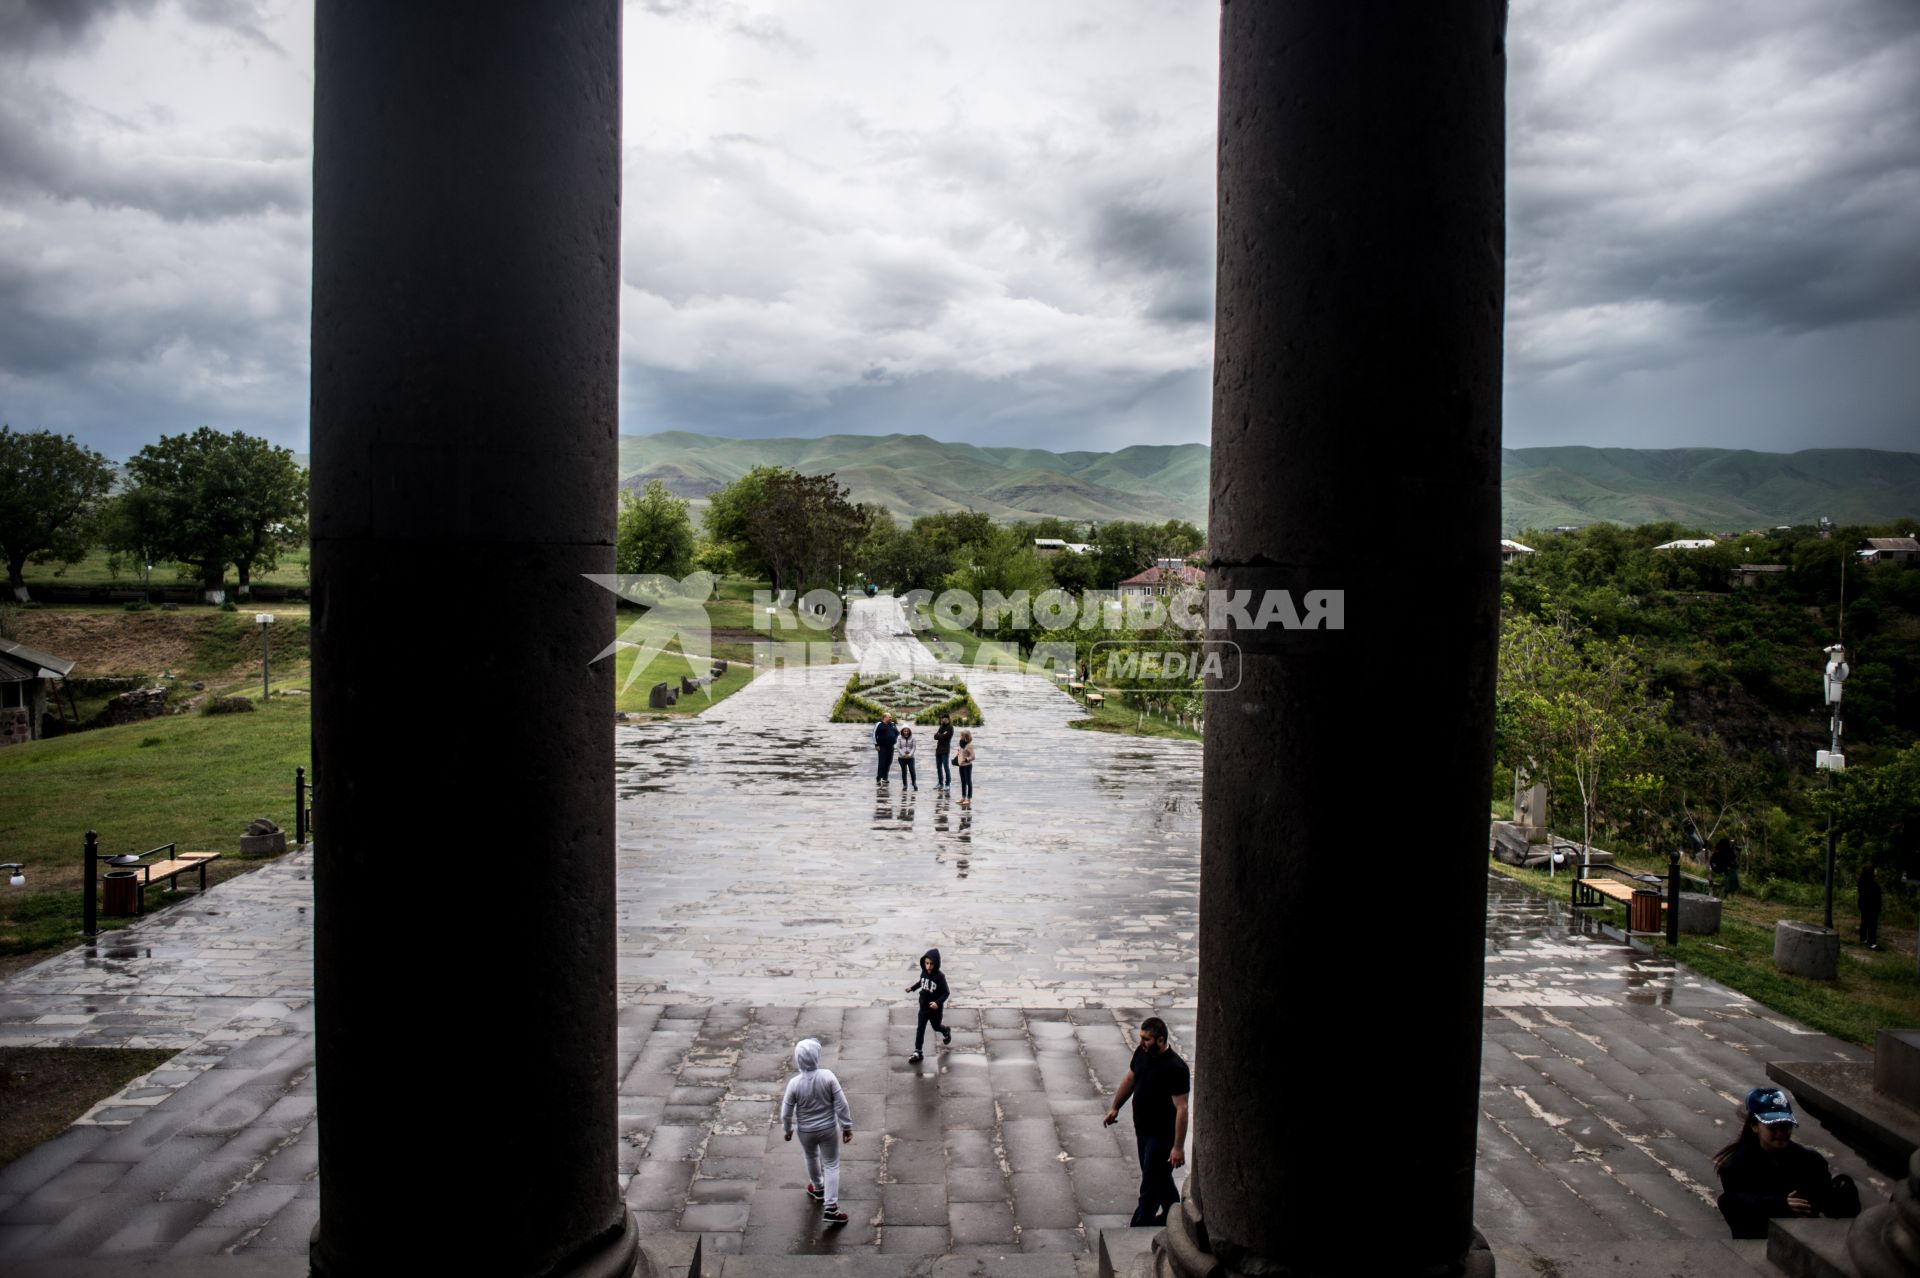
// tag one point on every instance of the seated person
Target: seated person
(1766, 1175)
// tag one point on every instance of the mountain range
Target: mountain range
(1711, 488)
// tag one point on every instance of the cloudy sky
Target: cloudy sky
(994, 221)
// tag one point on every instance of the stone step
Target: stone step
(677, 1256)
(1010, 1265)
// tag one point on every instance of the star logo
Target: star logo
(675, 615)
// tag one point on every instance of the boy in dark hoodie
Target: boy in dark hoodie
(933, 1000)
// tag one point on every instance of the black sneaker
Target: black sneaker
(946, 1038)
(816, 1193)
(834, 1216)
(911, 1059)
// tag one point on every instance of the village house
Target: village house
(24, 675)
(1165, 577)
(1891, 550)
(1046, 547)
(1511, 550)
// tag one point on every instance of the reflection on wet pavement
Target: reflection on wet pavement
(1608, 1079)
(1070, 882)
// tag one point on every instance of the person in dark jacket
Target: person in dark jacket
(884, 735)
(1726, 863)
(1765, 1175)
(1870, 901)
(933, 1001)
(942, 743)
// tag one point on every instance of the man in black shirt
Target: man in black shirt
(1158, 1082)
(884, 735)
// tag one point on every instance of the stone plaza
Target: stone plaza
(769, 888)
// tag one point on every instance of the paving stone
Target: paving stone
(1044, 1200)
(914, 1240)
(977, 1185)
(45, 1161)
(921, 1162)
(914, 1204)
(987, 1222)
(714, 1217)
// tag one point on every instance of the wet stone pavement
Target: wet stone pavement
(770, 889)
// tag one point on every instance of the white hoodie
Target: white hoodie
(814, 1101)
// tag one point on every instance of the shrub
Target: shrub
(225, 705)
(229, 606)
(137, 605)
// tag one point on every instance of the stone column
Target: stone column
(465, 347)
(1356, 447)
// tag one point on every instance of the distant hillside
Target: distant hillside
(1714, 488)
(914, 475)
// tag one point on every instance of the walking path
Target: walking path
(769, 888)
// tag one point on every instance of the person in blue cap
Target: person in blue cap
(1765, 1175)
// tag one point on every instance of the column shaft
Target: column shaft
(1356, 437)
(465, 354)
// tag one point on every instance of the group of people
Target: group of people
(1157, 1082)
(894, 742)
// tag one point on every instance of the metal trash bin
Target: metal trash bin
(121, 894)
(1644, 913)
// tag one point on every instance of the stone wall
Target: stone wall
(16, 725)
(134, 707)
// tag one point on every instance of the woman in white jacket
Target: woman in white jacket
(817, 1106)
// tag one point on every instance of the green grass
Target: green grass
(93, 571)
(667, 667)
(996, 655)
(1874, 989)
(1114, 716)
(42, 1089)
(197, 784)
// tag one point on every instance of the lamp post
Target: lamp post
(264, 619)
(1832, 760)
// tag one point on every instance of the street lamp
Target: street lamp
(264, 619)
(1832, 760)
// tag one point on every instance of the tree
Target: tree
(50, 489)
(133, 527)
(1568, 705)
(1126, 548)
(727, 513)
(802, 527)
(213, 499)
(655, 533)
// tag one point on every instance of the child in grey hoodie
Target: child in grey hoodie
(816, 1105)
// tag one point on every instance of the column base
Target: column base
(618, 1254)
(1183, 1250)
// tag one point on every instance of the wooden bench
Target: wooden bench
(1594, 890)
(167, 871)
(1095, 699)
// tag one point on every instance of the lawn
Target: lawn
(191, 779)
(668, 667)
(93, 571)
(42, 1089)
(1874, 989)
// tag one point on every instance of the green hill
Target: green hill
(1718, 489)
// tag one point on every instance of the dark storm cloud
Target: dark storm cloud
(1759, 176)
(45, 151)
(29, 27)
